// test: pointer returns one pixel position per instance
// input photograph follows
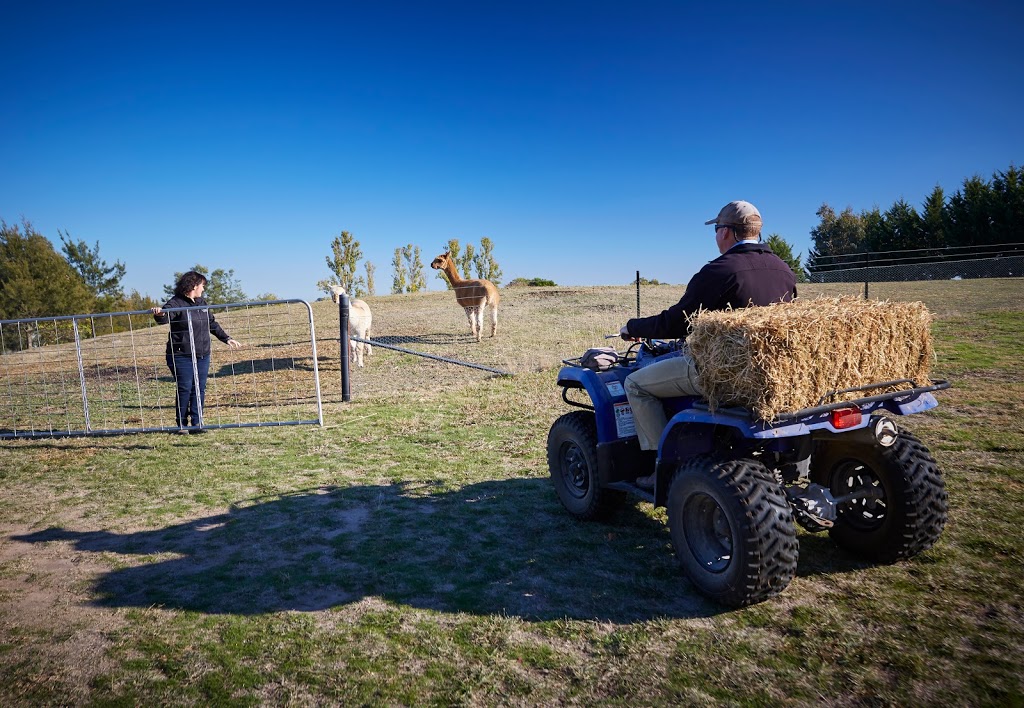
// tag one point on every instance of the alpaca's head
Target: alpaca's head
(441, 261)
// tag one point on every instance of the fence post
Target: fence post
(867, 272)
(638, 293)
(343, 315)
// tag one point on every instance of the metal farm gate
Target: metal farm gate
(106, 374)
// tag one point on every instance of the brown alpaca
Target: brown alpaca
(473, 295)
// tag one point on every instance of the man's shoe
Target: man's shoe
(646, 482)
(181, 431)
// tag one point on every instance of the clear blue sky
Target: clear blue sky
(587, 139)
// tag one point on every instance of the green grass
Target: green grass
(412, 551)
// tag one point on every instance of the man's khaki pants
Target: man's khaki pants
(676, 376)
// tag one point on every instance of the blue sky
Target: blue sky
(588, 140)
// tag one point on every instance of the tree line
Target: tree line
(37, 281)
(982, 213)
(407, 268)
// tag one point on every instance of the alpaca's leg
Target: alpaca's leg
(479, 322)
(471, 314)
(494, 320)
(363, 345)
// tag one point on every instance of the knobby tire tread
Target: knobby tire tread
(769, 540)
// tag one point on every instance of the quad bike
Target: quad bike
(736, 486)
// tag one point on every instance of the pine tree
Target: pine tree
(784, 250)
(104, 281)
(904, 228)
(970, 214)
(1008, 205)
(36, 281)
(934, 219)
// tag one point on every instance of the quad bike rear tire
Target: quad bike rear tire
(732, 529)
(572, 462)
(909, 514)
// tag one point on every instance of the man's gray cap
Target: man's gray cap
(737, 213)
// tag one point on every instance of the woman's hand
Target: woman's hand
(234, 343)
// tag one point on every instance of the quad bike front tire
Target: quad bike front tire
(732, 529)
(906, 511)
(572, 462)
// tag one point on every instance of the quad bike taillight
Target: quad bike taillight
(842, 418)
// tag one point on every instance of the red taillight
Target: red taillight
(846, 418)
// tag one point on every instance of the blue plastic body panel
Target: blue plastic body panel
(606, 393)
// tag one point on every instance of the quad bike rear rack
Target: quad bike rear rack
(822, 407)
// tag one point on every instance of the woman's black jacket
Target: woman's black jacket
(203, 324)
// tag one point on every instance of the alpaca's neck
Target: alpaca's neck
(453, 276)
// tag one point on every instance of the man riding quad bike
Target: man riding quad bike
(736, 486)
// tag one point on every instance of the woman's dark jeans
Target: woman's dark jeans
(188, 401)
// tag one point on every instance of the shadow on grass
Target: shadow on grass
(438, 339)
(499, 547)
(262, 366)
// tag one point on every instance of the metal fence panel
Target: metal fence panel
(105, 374)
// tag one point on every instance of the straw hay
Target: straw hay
(785, 357)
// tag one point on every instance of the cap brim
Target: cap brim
(711, 221)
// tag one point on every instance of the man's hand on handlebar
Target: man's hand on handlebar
(624, 334)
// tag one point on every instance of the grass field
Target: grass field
(412, 551)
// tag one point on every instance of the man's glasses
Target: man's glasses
(721, 226)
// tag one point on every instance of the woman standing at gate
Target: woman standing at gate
(183, 340)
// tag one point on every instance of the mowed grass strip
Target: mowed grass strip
(412, 551)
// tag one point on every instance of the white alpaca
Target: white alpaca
(359, 320)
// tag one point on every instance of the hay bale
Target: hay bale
(785, 357)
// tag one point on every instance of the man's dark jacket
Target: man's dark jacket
(203, 323)
(747, 274)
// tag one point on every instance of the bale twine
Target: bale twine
(785, 357)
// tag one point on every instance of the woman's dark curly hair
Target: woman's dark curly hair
(188, 282)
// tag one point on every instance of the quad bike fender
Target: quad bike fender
(608, 396)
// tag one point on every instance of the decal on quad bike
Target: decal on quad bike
(624, 420)
(615, 389)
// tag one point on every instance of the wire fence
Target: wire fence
(103, 374)
(420, 342)
(961, 263)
